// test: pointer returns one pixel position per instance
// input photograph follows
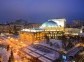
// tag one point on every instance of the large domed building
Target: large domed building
(48, 24)
(52, 28)
(51, 25)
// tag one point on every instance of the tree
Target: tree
(8, 47)
(70, 45)
(15, 31)
(64, 41)
(47, 39)
(11, 58)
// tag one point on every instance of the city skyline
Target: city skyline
(35, 11)
(41, 31)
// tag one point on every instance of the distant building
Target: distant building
(72, 31)
(9, 28)
(32, 25)
(12, 27)
(77, 23)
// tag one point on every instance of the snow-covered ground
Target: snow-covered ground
(4, 54)
(43, 51)
(56, 44)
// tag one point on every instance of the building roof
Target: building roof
(33, 30)
(48, 24)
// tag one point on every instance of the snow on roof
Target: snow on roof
(43, 52)
(32, 30)
(44, 59)
(34, 54)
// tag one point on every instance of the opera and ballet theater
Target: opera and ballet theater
(51, 28)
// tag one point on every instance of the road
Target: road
(73, 51)
(16, 45)
(20, 56)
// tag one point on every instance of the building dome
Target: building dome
(49, 24)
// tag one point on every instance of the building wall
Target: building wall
(30, 37)
(60, 22)
(32, 25)
(54, 34)
(5, 28)
(72, 31)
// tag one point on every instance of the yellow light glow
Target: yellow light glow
(8, 37)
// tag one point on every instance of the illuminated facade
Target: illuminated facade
(31, 35)
(54, 27)
(51, 28)
(60, 22)
(72, 31)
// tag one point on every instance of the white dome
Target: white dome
(49, 24)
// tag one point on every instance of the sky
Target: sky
(39, 11)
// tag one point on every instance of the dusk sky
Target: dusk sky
(41, 10)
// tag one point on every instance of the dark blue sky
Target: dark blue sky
(41, 10)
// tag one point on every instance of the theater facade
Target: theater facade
(51, 28)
